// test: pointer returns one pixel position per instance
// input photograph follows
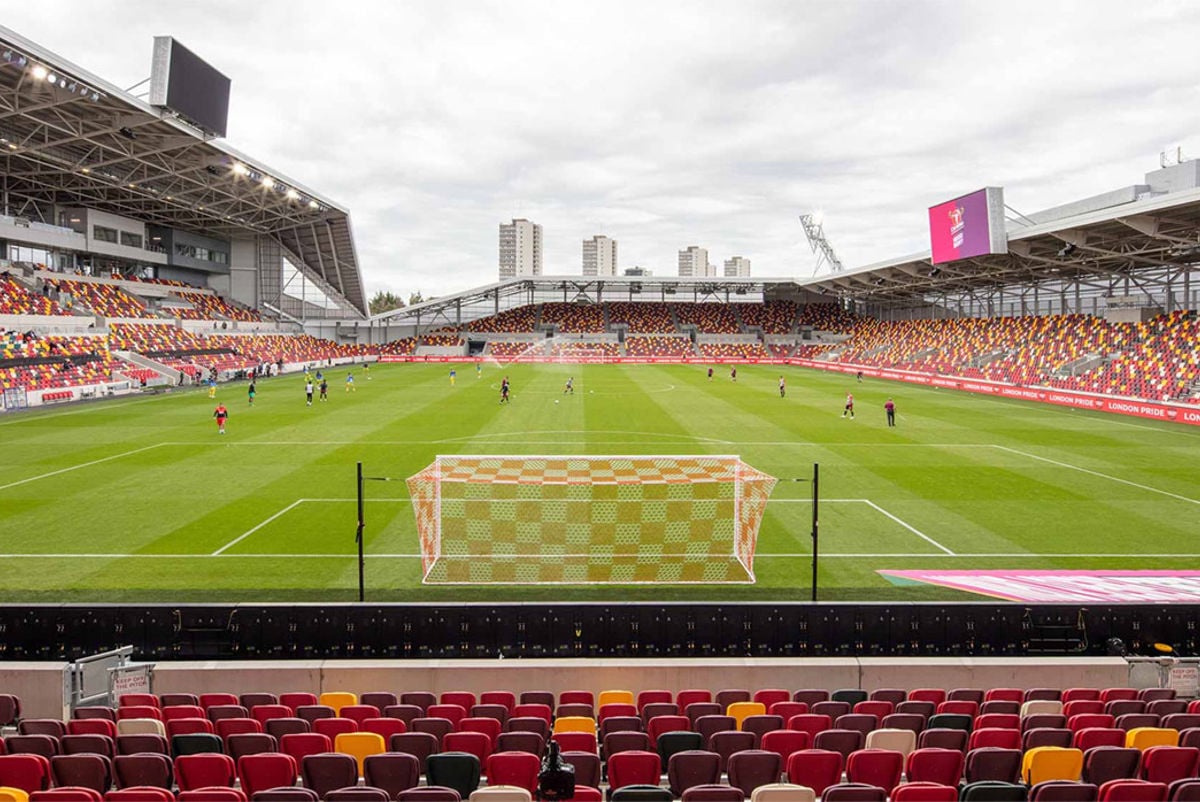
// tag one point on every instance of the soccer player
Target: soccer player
(782, 387)
(453, 376)
(733, 374)
(710, 374)
(478, 370)
(350, 382)
(570, 386)
(849, 410)
(308, 388)
(860, 377)
(504, 391)
(890, 408)
(220, 413)
(212, 388)
(324, 390)
(253, 388)
(367, 370)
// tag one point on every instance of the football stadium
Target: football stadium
(918, 530)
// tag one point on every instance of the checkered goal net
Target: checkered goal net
(568, 520)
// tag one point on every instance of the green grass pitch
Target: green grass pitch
(140, 500)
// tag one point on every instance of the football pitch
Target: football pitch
(140, 500)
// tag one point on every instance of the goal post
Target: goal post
(588, 519)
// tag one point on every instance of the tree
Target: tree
(385, 302)
(415, 298)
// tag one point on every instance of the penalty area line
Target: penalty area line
(80, 465)
(1089, 471)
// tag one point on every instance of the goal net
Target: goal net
(588, 519)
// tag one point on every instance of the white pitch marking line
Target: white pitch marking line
(912, 529)
(250, 532)
(80, 465)
(760, 555)
(1098, 473)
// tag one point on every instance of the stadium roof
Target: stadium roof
(1143, 241)
(67, 136)
(463, 307)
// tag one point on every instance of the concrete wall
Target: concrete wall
(40, 684)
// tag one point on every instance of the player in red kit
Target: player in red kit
(220, 413)
(849, 410)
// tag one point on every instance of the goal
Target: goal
(588, 519)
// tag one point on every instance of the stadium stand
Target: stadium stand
(214, 307)
(574, 318)
(584, 349)
(508, 350)
(1156, 360)
(15, 299)
(103, 299)
(642, 318)
(521, 320)
(734, 350)
(708, 318)
(40, 363)
(660, 347)
(1161, 363)
(403, 347)
(773, 317)
(828, 317)
(442, 338)
(904, 762)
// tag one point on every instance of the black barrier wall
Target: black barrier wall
(56, 632)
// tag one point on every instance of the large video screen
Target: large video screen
(971, 225)
(189, 86)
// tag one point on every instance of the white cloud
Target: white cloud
(667, 124)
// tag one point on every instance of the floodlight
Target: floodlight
(52, 78)
(312, 204)
(268, 182)
(292, 194)
(39, 72)
(240, 169)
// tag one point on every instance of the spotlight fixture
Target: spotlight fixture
(312, 204)
(39, 72)
(240, 169)
(293, 194)
(267, 182)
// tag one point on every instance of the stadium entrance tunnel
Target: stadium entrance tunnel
(60, 632)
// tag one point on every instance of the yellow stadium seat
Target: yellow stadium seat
(1145, 737)
(741, 710)
(141, 726)
(359, 745)
(501, 793)
(574, 724)
(614, 698)
(8, 794)
(1044, 763)
(783, 792)
(338, 699)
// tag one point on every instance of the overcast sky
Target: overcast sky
(665, 124)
